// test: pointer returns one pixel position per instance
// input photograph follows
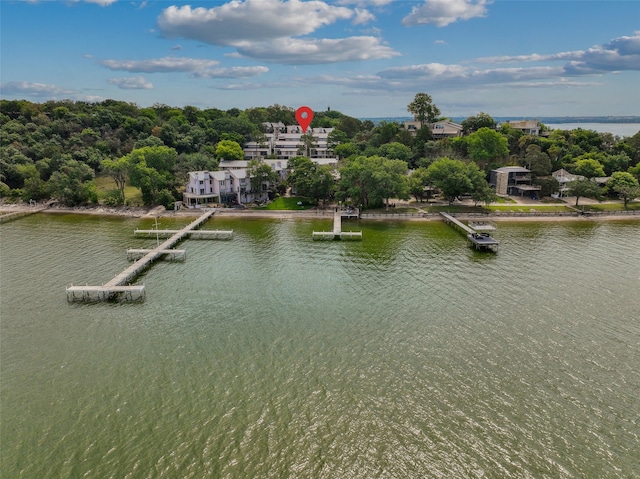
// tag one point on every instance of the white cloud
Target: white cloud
(534, 57)
(102, 3)
(160, 65)
(428, 70)
(31, 89)
(362, 17)
(269, 30)
(445, 12)
(233, 72)
(459, 76)
(365, 3)
(317, 51)
(620, 54)
(249, 20)
(436, 76)
(131, 83)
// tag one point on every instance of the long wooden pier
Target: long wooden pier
(119, 284)
(337, 232)
(481, 241)
(6, 216)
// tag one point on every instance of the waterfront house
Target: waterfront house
(513, 180)
(439, 130)
(200, 189)
(229, 186)
(211, 188)
(528, 127)
(563, 177)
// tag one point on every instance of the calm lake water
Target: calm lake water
(619, 129)
(405, 355)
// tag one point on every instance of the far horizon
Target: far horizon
(366, 58)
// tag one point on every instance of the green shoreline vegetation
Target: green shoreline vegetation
(116, 154)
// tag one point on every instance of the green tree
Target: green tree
(537, 161)
(423, 109)
(335, 138)
(73, 184)
(261, 178)
(350, 126)
(151, 170)
(613, 163)
(450, 177)
(229, 150)
(474, 123)
(625, 185)
(300, 175)
(486, 145)
(480, 189)
(309, 179)
(307, 143)
(589, 168)
(395, 151)
(34, 187)
(118, 170)
(345, 150)
(584, 188)
(417, 182)
(548, 185)
(369, 181)
(385, 132)
(391, 180)
(201, 161)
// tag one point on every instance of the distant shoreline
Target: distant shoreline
(327, 214)
(543, 119)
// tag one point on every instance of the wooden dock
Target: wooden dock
(202, 234)
(481, 241)
(337, 232)
(482, 225)
(171, 254)
(119, 284)
(6, 216)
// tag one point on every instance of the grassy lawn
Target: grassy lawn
(289, 203)
(632, 205)
(390, 211)
(455, 209)
(542, 208)
(105, 183)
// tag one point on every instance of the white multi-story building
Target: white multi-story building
(231, 183)
(285, 142)
(210, 188)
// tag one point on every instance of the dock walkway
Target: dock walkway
(6, 216)
(119, 283)
(481, 241)
(337, 232)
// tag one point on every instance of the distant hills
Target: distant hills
(543, 119)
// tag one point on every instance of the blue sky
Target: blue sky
(365, 58)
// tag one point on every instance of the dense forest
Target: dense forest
(58, 150)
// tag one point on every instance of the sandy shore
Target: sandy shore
(327, 213)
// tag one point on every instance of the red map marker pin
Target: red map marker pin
(304, 115)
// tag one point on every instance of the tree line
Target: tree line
(57, 148)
